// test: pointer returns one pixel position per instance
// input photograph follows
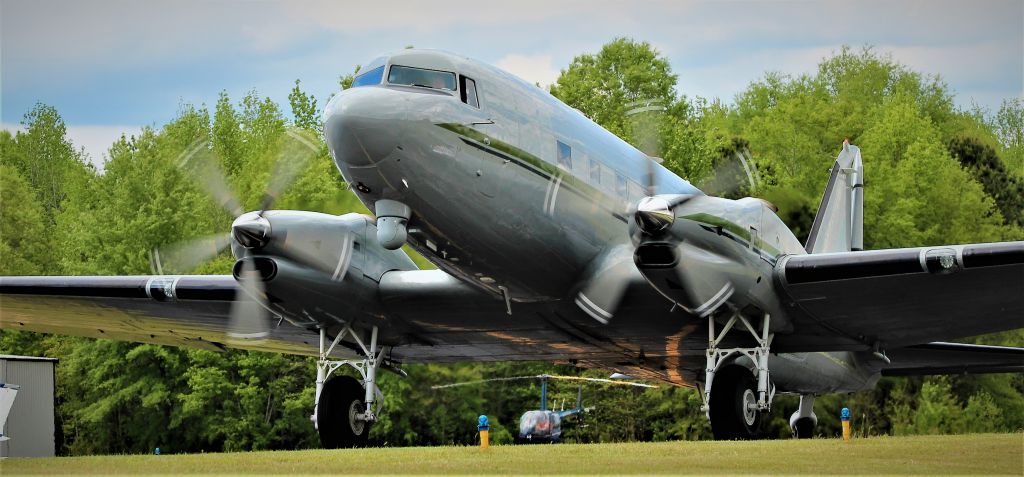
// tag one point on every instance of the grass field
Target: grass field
(986, 454)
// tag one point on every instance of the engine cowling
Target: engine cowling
(314, 264)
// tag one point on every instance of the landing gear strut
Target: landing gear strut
(345, 407)
(734, 398)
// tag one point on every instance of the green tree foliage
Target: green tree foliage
(1009, 128)
(982, 161)
(934, 175)
(303, 109)
(604, 85)
(25, 244)
(46, 159)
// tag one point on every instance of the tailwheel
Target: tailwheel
(733, 404)
(803, 421)
(803, 428)
(339, 414)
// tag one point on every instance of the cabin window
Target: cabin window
(620, 185)
(595, 172)
(564, 155)
(369, 78)
(420, 77)
(469, 92)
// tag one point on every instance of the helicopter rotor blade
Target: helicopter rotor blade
(603, 381)
(481, 381)
(542, 376)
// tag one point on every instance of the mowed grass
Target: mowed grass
(986, 454)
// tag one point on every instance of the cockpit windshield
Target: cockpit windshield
(409, 76)
(369, 78)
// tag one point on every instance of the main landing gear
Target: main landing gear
(345, 406)
(736, 396)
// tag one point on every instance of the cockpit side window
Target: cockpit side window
(424, 78)
(469, 95)
(370, 78)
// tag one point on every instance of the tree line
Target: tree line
(935, 174)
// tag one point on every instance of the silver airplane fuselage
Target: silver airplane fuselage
(519, 194)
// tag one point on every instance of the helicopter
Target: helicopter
(544, 426)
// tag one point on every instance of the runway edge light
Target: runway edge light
(484, 427)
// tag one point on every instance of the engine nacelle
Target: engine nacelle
(308, 258)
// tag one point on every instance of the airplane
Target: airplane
(557, 241)
(544, 426)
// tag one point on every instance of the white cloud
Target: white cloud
(727, 77)
(94, 139)
(532, 68)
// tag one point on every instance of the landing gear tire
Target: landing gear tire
(337, 414)
(803, 428)
(733, 390)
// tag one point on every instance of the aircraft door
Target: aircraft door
(497, 127)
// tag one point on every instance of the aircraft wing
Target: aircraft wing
(901, 297)
(953, 358)
(189, 310)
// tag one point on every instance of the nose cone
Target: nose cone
(251, 230)
(363, 125)
(653, 214)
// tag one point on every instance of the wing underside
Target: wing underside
(190, 311)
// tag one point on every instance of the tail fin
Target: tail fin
(839, 225)
(579, 398)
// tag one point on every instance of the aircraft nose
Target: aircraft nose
(362, 125)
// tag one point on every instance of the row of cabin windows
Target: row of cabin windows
(444, 80)
(623, 186)
(423, 78)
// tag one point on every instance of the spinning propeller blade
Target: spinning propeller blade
(298, 149)
(249, 319)
(608, 278)
(184, 256)
(249, 316)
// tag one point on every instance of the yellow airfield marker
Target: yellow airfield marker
(844, 416)
(485, 430)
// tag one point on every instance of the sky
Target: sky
(114, 66)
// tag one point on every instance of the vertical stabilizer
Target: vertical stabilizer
(839, 224)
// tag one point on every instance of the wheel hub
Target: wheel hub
(749, 407)
(355, 420)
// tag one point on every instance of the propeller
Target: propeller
(250, 316)
(545, 376)
(609, 276)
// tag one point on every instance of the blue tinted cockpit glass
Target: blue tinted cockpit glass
(409, 76)
(369, 78)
